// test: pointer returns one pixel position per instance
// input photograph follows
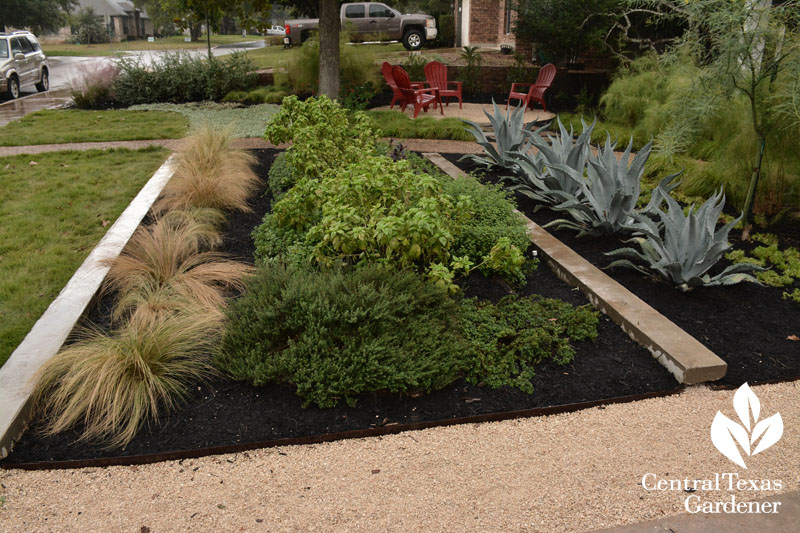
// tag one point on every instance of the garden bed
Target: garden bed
(228, 413)
(748, 326)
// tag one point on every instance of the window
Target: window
(354, 12)
(508, 16)
(26, 45)
(3, 48)
(16, 48)
(379, 11)
(34, 43)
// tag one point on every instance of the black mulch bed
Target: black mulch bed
(228, 413)
(746, 325)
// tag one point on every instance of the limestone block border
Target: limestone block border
(680, 353)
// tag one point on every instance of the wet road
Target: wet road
(64, 69)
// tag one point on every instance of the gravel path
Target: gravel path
(570, 472)
(419, 145)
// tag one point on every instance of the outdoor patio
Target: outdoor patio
(473, 112)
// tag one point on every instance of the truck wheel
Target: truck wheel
(44, 84)
(13, 87)
(413, 40)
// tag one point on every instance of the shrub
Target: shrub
(280, 177)
(398, 125)
(109, 385)
(323, 135)
(471, 73)
(506, 340)
(339, 333)
(262, 95)
(355, 69)
(92, 89)
(492, 218)
(179, 77)
(89, 28)
(208, 173)
(171, 254)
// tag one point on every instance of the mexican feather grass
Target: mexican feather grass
(209, 173)
(108, 385)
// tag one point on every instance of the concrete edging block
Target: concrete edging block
(51, 330)
(680, 353)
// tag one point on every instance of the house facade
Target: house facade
(122, 18)
(487, 23)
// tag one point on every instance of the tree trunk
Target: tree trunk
(329, 48)
(194, 31)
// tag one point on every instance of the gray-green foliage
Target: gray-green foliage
(338, 333)
(510, 133)
(682, 248)
(241, 121)
(542, 176)
(608, 195)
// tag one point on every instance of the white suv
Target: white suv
(22, 62)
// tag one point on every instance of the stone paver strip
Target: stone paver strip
(683, 355)
(51, 330)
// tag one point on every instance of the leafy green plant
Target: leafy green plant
(280, 177)
(209, 173)
(339, 333)
(686, 248)
(511, 136)
(323, 135)
(111, 384)
(414, 65)
(793, 296)
(471, 73)
(784, 264)
(179, 77)
(357, 97)
(508, 339)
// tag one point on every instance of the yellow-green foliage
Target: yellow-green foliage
(784, 264)
(666, 99)
(323, 135)
(355, 67)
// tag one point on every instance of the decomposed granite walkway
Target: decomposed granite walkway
(579, 471)
(417, 145)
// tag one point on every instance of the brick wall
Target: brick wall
(483, 22)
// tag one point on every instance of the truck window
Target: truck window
(16, 48)
(379, 11)
(3, 48)
(354, 12)
(25, 44)
(34, 43)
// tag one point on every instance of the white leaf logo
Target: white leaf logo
(725, 433)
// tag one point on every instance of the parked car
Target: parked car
(22, 62)
(276, 30)
(371, 20)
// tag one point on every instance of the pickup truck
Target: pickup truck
(370, 21)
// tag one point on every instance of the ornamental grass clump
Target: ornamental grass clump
(172, 257)
(209, 174)
(107, 386)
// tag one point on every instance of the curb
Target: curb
(684, 356)
(51, 330)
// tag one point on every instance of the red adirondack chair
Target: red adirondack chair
(386, 70)
(419, 98)
(436, 76)
(536, 91)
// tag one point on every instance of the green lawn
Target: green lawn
(54, 212)
(53, 126)
(168, 43)
(396, 124)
